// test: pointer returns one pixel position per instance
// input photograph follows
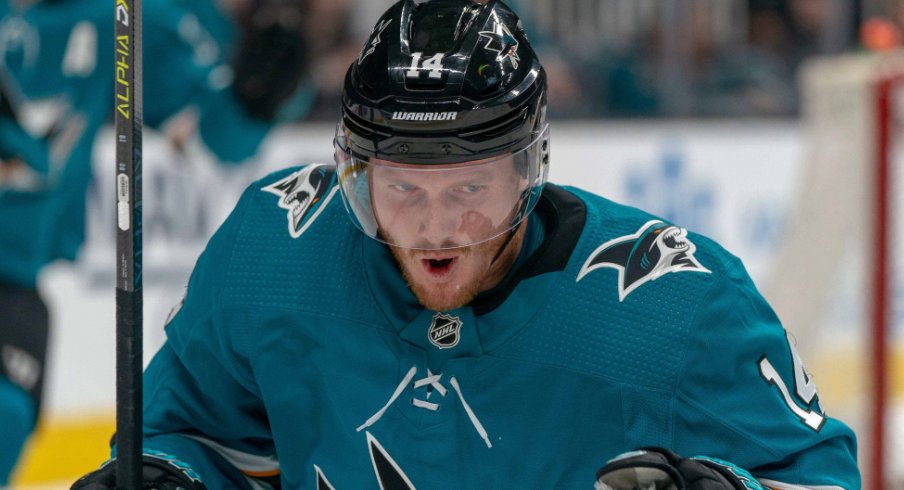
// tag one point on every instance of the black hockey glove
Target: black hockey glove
(159, 471)
(7, 103)
(657, 468)
(272, 56)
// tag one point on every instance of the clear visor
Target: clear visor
(441, 206)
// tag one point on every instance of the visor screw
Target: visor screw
(447, 148)
(403, 148)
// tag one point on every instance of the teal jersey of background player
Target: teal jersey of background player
(59, 58)
(300, 354)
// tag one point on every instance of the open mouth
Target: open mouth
(439, 267)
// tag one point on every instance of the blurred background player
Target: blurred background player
(54, 60)
(23, 316)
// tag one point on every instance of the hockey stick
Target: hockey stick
(128, 124)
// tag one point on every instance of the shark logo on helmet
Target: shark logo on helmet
(305, 195)
(375, 40)
(653, 251)
(501, 41)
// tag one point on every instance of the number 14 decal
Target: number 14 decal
(433, 65)
(804, 389)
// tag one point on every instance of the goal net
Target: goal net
(837, 275)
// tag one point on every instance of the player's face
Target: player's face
(433, 210)
(444, 207)
(425, 205)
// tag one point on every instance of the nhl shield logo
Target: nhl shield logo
(444, 331)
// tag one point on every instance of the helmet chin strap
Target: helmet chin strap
(514, 229)
(505, 244)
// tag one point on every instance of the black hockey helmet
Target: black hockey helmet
(443, 84)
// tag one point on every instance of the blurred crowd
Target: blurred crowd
(651, 58)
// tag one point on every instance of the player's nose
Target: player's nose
(437, 222)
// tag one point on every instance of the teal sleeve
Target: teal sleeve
(202, 404)
(179, 418)
(172, 77)
(184, 70)
(231, 134)
(766, 420)
(16, 143)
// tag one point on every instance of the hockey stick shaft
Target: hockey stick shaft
(128, 125)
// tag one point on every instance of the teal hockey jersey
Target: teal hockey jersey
(59, 58)
(300, 359)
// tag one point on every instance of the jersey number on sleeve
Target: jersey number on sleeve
(804, 389)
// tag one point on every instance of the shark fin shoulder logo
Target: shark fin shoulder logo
(305, 194)
(653, 251)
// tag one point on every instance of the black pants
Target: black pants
(24, 328)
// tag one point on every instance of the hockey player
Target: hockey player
(23, 334)
(55, 67)
(459, 323)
